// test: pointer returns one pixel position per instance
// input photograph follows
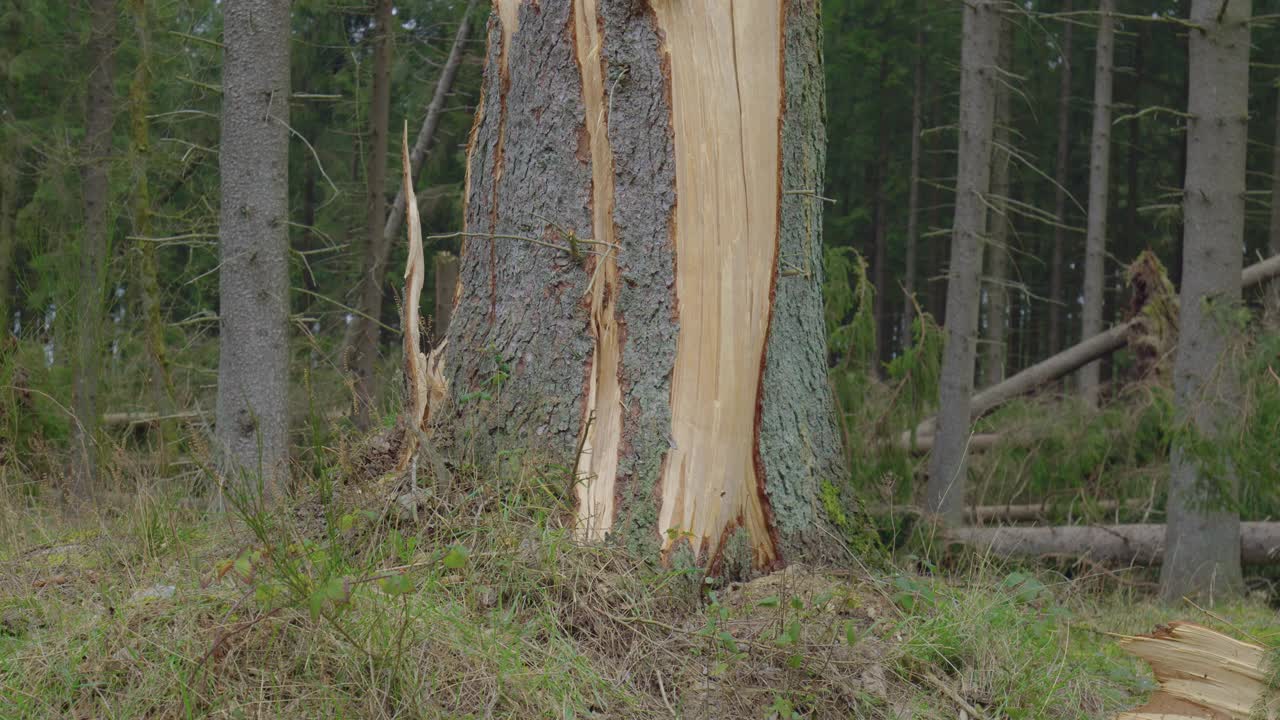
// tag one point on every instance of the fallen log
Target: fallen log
(1133, 544)
(985, 514)
(924, 443)
(147, 418)
(1202, 675)
(1073, 358)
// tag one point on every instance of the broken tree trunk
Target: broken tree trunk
(1135, 544)
(361, 341)
(1074, 357)
(1202, 675)
(639, 283)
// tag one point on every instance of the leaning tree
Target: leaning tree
(640, 285)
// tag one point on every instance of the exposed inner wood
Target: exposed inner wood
(597, 466)
(414, 273)
(509, 16)
(1202, 674)
(726, 94)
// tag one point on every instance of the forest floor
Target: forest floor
(484, 606)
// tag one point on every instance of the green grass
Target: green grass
(486, 607)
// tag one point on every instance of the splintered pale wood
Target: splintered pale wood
(424, 374)
(726, 111)
(598, 460)
(1202, 675)
(726, 88)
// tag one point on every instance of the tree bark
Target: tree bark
(1075, 357)
(364, 347)
(1258, 543)
(913, 191)
(1061, 176)
(99, 119)
(1204, 528)
(361, 341)
(671, 335)
(995, 349)
(253, 281)
(1095, 276)
(947, 466)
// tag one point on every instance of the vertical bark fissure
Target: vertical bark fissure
(1099, 182)
(597, 466)
(799, 443)
(1203, 532)
(518, 340)
(947, 467)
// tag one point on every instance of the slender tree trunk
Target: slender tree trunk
(913, 192)
(360, 343)
(1095, 275)
(8, 240)
(880, 231)
(1203, 532)
(446, 284)
(99, 118)
(1275, 186)
(947, 466)
(1061, 177)
(364, 349)
(12, 158)
(680, 353)
(995, 349)
(1273, 290)
(253, 282)
(160, 388)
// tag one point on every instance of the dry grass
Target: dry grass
(486, 607)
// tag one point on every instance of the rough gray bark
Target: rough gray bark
(947, 466)
(445, 268)
(99, 119)
(598, 345)
(1099, 185)
(1075, 357)
(1257, 543)
(1203, 533)
(363, 350)
(913, 191)
(253, 280)
(361, 341)
(995, 348)
(1061, 176)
